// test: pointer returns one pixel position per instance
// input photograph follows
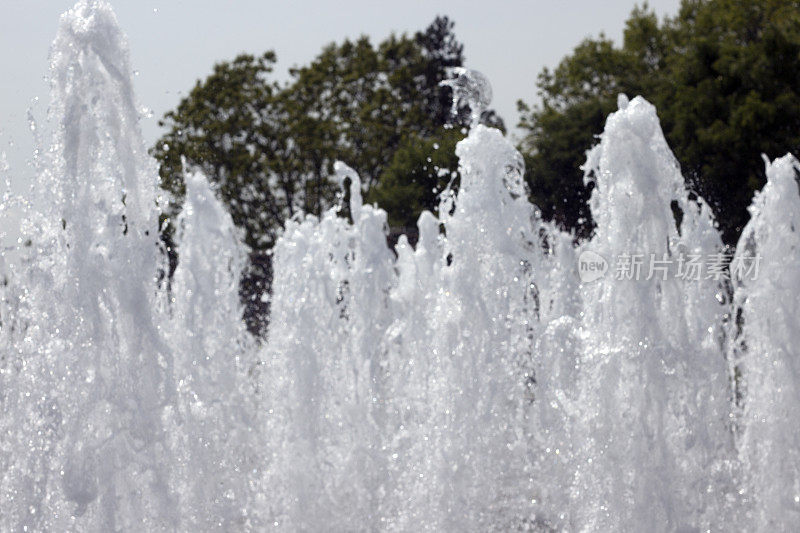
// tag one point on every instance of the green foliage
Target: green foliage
(575, 100)
(724, 75)
(234, 127)
(246, 135)
(270, 149)
(419, 170)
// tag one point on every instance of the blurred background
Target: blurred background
(264, 97)
(174, 43)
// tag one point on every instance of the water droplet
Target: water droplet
(472, 89)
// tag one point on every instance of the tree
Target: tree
(419, 170)
(576, 98)
(270, 149)
(236, 128)
(421, 161)
(724, 75)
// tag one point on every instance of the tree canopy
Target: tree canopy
(269, 148)
(724, 75)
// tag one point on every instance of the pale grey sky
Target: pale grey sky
(175, 42)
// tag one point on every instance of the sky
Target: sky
(174, 43)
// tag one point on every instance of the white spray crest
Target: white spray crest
(343, 172)
(471, 88)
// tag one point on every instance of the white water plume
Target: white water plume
(471, 382)
(766, 353)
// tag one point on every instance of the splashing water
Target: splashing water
(766, 353)
(96, 421)
(471, 89)
(653, 341)
(214, 417)
(91, 376)
(472, 382)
